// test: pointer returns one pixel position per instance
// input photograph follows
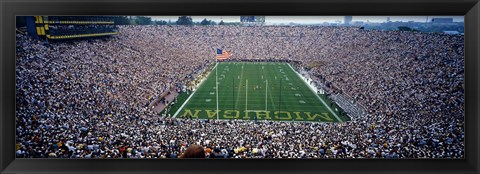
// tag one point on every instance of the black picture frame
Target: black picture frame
(10, 8)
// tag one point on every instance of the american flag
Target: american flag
(222, 55)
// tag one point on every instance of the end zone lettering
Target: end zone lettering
(261, 115)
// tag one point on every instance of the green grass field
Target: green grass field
(274, 92)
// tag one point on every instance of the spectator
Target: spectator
(194, 151)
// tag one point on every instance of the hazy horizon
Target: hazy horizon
(314, 19)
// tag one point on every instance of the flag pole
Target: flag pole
(216, 80)
(216, 83)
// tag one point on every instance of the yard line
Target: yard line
(304, 94)
(314, 92)
(188, 99)
(239, 86)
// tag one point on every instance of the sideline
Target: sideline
(314, 92)
(188, 99)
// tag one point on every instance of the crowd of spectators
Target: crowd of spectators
(89, 98)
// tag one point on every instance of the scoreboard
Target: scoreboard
(257, 19)
(69, 27)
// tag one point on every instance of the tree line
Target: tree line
(182, 20)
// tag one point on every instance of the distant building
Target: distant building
(357, 23)
(442, 20)
(348, 20)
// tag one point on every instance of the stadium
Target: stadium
(237, 91)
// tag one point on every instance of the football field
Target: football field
(258, 91)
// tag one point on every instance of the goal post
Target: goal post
(246, 99)
(246, 95)
(266, 90)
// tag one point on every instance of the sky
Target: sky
(312, 19)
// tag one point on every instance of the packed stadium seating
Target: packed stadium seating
(87, 98)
